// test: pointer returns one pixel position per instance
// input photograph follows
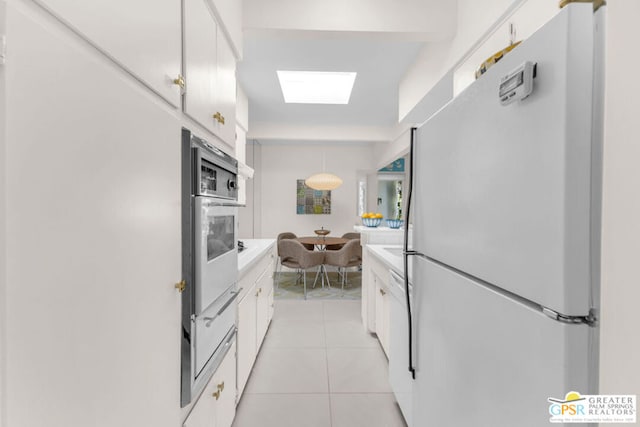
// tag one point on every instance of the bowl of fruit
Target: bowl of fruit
(371, 219)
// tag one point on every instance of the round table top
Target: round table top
(322, 241)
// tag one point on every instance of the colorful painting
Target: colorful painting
(310, 201)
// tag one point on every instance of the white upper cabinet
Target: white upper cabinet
(200, 62)
(209, 68)
(226, 91)
(143, 36)
(230, 13)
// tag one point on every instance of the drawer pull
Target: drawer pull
(382, 292)
(221, 386)
(216, 394)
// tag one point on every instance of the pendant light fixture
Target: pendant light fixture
(323, 181)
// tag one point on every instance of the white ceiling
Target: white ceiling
(374, 100)
(380, 45)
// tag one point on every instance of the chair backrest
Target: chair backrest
(350, 254)
(286, 235)
(351, 236)
(293, 252)
(282, 236)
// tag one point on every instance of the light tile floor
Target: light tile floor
(318, 368)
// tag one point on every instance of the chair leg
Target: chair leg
(326, 274)
(316, 279)
(304, 279)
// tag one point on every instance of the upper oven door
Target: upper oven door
(216, 253)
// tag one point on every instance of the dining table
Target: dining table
(321, 242)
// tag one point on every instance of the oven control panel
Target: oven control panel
(216, 173)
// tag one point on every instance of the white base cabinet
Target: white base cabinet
(382, 309)
(375, 297)
(255, 311)
(216, 406)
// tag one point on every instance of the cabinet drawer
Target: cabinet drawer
(253, 274)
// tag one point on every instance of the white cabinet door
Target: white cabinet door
(203, 412)
(382, 313)
(225, 91)
(200, 63)
(143, 36)
(225, 385)
(230, 12)
(263, 309)
(246, 337)
(216, 406)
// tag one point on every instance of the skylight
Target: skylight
(316, 87)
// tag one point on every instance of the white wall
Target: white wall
(282, 165)
(620, 345)
(435, 59)
(3, 222)
(246, 214)
(475, 19)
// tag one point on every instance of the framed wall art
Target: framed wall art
(310, 201)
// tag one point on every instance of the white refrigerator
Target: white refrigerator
(506, 213)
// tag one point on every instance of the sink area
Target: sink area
(394, 251)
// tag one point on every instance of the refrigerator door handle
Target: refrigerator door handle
(406, 253)
(590, 319)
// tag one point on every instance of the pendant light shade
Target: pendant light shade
(323, 181)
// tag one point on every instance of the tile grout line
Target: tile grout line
(326, 352)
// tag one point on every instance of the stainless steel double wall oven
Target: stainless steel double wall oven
(209, 260)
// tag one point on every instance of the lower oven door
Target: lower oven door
(211, 326)
(216, 253)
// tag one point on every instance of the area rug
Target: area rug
(288, 286)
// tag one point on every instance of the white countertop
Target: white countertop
(391, 256)
(254, 248)
(364, 229)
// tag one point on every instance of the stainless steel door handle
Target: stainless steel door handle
(234, 295)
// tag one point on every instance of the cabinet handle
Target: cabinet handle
(179, 81)
(216, 394)
(382, 292)
(221, 386)
(219, 117)
(181, 286)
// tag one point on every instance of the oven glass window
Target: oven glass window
(220, 235)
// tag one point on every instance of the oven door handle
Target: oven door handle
(234, 295)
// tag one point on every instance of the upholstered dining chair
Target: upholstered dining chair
(350, 255)
(294, 255)
(282, 236)
(349, 236)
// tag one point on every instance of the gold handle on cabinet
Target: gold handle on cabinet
(257, 292)
(216, 394)
(221, 386)
(179, 81)
(382, 292)
(181, 286)
(219, 117)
